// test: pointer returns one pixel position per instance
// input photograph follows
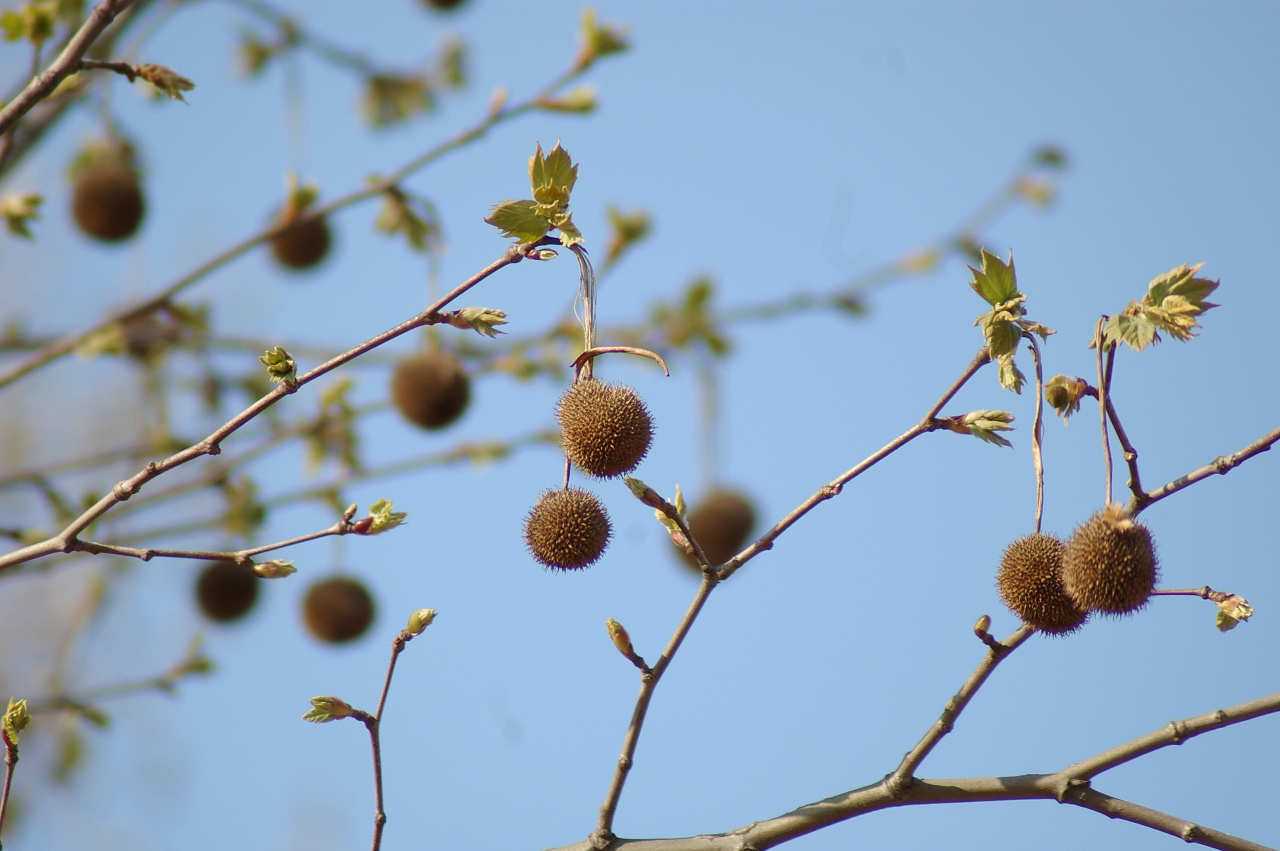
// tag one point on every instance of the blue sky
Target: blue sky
(779, 149)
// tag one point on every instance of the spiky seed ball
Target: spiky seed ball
(567, 529)
(107, 202)
(721, 524)
(226, 591)
(338, 609)
(1030, 583)
(1109, 564)
(304, 244)
(605, 429)
(430, 390)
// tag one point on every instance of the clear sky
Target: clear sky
(780, 148)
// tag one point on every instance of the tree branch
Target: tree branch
(64, 65)
(927, 423)
(1066, 786)
(1219, 466)
(66, 540)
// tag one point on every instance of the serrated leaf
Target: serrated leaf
(1001, 333)
(997, 282)
(569, 233)
(537, 169)
(519, 220)
(559, 170)
(1137, 332)
(1011, 378)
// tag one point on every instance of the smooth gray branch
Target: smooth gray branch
(1218, 466)
(1068, 786)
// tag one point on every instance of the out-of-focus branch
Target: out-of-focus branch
(927, 424)
(64, 65)
(493, 118)
(66, 540)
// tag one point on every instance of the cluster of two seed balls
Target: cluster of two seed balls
(335, 610)
(1109, 565)
(605, 430)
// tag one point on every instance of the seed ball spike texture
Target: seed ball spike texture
(605, 429)
(226, 591)
(721, 524)
(430, 390)
(1109, 564)
(567, 529)
(304, 245)
(338, 609)
(1030, 584)
(107, 202)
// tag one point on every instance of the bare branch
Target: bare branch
(904, 775)
(1219, 466)
(833, 488)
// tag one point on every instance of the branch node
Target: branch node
(122, 490)
(1073, 790)
(830, 489)
(1179, 731)
(601, 839)
(1190, 833)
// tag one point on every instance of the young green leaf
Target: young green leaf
(997, 282)
(519, 220)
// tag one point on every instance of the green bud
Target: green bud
(280, 366)
(621, 639)
(274, 569)
(16, 718)
(384, 517)
(420, 620)
(325, 709)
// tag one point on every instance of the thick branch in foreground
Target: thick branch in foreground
(1069, 786)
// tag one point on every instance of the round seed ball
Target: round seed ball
(304, 244)
(721, 524)
(226, 591)
(338, 609)
(605, 429)
(430, 390)
(1109, 564)
(107, 202)
(567, 529)
(1030, 584)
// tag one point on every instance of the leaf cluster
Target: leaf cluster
(1173, 303)
(1003, 326)
(551, 179)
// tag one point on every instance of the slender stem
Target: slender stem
(927, 424)
(10, 765)
(1219, 466)
(1130, 454)
(648, 682)
(42, 85)
(1037, 430)
(1103, 393)
(374, 725)
(239, 556)
(904, 775)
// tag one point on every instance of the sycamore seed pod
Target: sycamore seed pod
(567, 529)
(304, 244)
(1030, 584)
(721, 524)
(226, 591)
(1109, 564)
(605, 429)
(338, 609)
(107, 202)
(430, 390)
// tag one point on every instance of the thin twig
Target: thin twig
(68, 344)
(10, 765)
(927, 424)
(65, 541)
(1219, 466)
(904, 775)
(603, 834)
(342, 527)
(1103, 393)
(1130, 454)
(42, 85)
(1037, 430)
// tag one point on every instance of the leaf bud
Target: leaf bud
(420, 620)
(274, 569)
(621, 639)
(327, 708)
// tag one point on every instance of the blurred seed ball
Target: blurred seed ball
(444, 5)
(721, 524)
(304, 244)
(1109, 564)
(226, 591)
(605, 429)
(107, 202)
(430, 390)
(567, 529)
(338, 609)
(1030, 584)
